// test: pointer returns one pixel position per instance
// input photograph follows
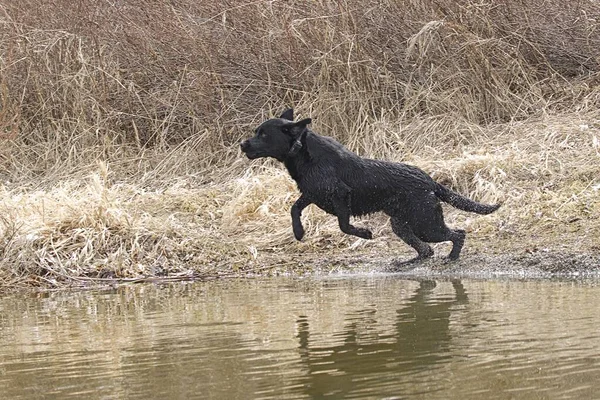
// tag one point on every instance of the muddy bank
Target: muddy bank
(543, 264)
(525, 265)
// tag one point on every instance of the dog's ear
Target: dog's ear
(296, 128)
(288, 114)
(302, 124)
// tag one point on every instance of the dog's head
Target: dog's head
(279, 138)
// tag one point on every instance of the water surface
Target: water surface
(336, 337)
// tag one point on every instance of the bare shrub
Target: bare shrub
(102, 79)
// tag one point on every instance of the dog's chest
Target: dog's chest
(320, 195)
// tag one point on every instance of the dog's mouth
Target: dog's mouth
(251, 153)
(247, 150)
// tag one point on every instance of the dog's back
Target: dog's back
(372, 182)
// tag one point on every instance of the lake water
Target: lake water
(320, 337)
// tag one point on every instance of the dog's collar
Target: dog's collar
(297, 145)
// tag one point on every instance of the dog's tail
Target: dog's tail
(463, 203)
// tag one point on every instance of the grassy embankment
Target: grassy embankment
(119, 125)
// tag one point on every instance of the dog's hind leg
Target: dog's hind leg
(297, 208)
(342, 210)
(457, 236)
(429, 226)
(404, 232)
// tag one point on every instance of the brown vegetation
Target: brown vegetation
(119, 125)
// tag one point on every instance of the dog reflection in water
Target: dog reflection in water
(419, 340)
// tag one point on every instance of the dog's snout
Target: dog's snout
(244, 145)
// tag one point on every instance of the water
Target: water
(344, 337)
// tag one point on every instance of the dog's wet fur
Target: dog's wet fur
(344, 184)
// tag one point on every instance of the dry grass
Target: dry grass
(119, 124)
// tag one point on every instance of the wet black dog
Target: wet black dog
(344, 184)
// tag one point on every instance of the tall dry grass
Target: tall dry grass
(119, 121)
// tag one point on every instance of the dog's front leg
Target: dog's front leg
(342, 210)
(297, 208)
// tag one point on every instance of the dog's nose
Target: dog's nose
(244, 145)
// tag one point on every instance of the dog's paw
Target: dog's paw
(298, 232)
(364, 233)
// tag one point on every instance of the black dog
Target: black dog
(344, 184)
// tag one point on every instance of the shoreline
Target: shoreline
(544, 264)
